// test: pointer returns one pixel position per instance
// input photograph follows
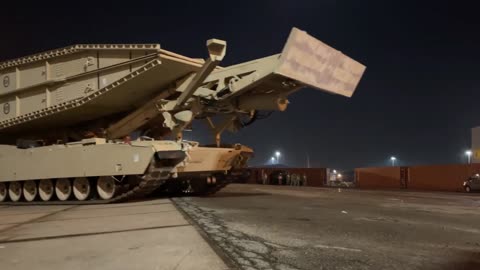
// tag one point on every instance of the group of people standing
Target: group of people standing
(284, 178)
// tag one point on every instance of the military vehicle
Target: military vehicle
(93, 119)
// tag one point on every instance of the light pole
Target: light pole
(393, 159)
(277, 154)
(273, 160)
(468, 153)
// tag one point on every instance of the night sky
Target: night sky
(417, 100)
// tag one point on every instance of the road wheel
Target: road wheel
(81, 188)
(45, 189)
(15, 191)
(3, 192)
(468, 189)
(106, 187)
(63, 189)
(30, 190)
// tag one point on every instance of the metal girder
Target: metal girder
(154, 108)
(216, 49)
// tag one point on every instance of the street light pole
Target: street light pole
(393, 161)
(278, 157)
(468, 153)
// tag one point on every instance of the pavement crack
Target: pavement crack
(246, 251)
(10, 240)
(182, 259)
(33, 220)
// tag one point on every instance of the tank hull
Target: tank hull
(130, 170)
(208, 169)
(87, 158)
(215, 159)
(138, 168)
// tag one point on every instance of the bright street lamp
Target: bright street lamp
(334, 171)
(393, 159)
(273, 160)
(277, 154)
(339, 175)
(468, 153)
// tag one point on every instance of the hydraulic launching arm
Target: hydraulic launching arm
(259, 85)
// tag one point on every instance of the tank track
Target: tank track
(214, 189)
(148, 183)
(183, 189)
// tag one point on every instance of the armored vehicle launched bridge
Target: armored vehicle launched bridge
(69, 115)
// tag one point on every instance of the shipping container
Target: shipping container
(428, 177)
(316, 177)
(378, 177)
(441, 177)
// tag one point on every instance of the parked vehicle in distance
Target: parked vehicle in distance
(340, 183)
(472, 183)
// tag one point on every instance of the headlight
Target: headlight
(465, 183)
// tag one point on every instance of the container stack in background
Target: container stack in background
(316, 177)
(429, 177)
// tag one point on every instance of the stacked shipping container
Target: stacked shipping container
(431, 177)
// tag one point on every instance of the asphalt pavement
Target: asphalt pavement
(250, 227)
(279, 227)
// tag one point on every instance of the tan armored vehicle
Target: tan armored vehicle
(91, 120)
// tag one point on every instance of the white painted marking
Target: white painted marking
(344, 212)
(136, 158)
(339, 248)
(2, 246)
